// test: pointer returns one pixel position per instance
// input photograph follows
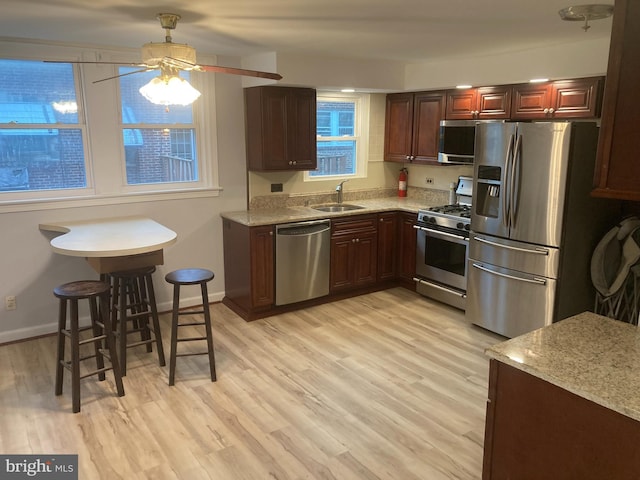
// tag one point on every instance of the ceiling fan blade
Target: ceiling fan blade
(147, 69)
(239, 71)
(126, 64)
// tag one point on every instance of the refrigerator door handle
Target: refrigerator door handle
(536, 280)
(515, 172)
(506, 209)
(535, 251)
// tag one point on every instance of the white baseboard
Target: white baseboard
(51, 327)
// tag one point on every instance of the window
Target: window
(159, 142)
(340, 150)
(41, 134)
(74, 134)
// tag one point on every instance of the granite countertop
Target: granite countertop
(270, 216)
(592, 356)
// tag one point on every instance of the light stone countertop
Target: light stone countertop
(592, 356)
(271, 216)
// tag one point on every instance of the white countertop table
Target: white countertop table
(112, 244)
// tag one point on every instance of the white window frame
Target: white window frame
(360, 136)
(99, 106)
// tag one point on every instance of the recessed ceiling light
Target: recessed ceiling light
(463, 86)
(538, 80)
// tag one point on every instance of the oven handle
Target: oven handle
(438, 232)
(440, 287)
(536, 251)
(536, 280)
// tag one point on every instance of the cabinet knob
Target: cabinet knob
(551, 110)
(295, 162)
(407, 157)
(546, 111)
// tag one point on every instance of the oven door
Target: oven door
(442, 257)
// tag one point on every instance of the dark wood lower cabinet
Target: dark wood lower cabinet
(248, 268)
(406, 249)
(387, 245)
(354, 248)
(368, 252)
(538, 431)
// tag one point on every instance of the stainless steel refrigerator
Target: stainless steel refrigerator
(534, 224)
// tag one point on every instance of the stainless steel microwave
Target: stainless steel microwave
(457, 139)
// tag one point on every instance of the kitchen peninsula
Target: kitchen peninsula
(564, 402)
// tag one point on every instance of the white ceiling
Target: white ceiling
(402, 30)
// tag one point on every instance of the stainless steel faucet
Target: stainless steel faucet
(339, 189)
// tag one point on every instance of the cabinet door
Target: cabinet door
(280, 128)
(301, 129)
(407, 247)
(428, 110)
(493, 103)
(398, 127)
(579, 98)
(531, 101)
(387, 245)
(462, 104)
(366, 260)
(618, 168)
(342, 262)
(262, 261)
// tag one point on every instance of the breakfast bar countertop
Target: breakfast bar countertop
(592, 356)
(271, 216)
(109, 237)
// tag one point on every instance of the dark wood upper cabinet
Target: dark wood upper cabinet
(482, 103)
(280, 128)
(412, 126)
(563, 99)
(617, 173)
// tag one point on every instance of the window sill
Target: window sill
(100, 200)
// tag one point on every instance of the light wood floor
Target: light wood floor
(381, 386)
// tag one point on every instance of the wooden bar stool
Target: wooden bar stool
(133, 302)
(190, 276)
(102, 335)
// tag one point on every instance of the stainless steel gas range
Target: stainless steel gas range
(442, 248)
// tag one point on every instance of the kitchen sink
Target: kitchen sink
(337, 207)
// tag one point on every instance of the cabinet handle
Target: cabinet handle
(546, 111)
(551, 110)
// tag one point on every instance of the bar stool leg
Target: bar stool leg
(122, 324)
(207, 326)
(111, 342)
(154, 318)
(62, 324)
(174, 334)
(97, 331)
(75, 357)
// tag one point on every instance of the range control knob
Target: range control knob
(467, 227)
(431, 219)
(460, 225)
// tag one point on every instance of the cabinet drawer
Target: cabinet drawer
(349, 225)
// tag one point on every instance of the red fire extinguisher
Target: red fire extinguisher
(402, 182)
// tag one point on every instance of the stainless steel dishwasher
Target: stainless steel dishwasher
(302, 261)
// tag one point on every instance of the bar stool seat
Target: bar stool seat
(71, 293)
(133, 302)
(190, 276)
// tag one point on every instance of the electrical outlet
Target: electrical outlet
(10, 302)
(428, 181)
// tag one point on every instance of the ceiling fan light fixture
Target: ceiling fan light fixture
(586, 13)
(169, 90)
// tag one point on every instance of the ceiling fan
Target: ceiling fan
(171, 58)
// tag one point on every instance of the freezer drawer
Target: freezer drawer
(520, 256)
(506, 301)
